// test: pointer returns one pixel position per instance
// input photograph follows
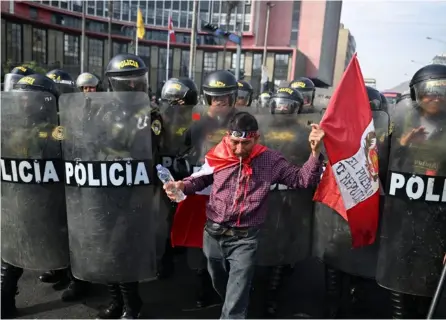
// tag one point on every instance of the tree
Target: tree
(230, 7)
(9, 65)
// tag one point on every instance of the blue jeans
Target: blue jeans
(231, 263)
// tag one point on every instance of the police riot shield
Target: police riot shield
(332, 241)
(285, 237)
(413, 226)
(109, 182)
(33, 221)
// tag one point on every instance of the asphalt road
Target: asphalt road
(302, 296)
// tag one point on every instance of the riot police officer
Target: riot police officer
(179, 96)
(244, 94)
(384, 103)
(264, 99)
(286, 100)
(308, 90)
(15, 75)
(65, 84)
(37, 99)
(413, 232)
(89, 82)
(63, 79)
(126, 73)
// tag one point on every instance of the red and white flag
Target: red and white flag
(350, 184)
(172, 38)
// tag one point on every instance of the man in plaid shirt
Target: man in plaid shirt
(241, 172)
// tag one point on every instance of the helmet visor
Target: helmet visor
(283, 105)
(431, 95)
(308, 96)
(173, 91)
(130, 83)
(10, 80)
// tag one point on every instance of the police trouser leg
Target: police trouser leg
(10, 276)
(333, 291)
(132, 300)
(167, 266)
(276, 279)
(115, 308)
(204, 290)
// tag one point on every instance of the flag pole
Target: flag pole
(136, 43)
(84, 10)
(168, 46)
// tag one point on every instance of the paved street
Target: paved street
(174, 298)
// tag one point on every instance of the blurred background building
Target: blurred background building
(344, 53)
(302, 36)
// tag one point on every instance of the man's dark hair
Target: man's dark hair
(243, 121)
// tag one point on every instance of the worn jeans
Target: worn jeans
(231, 264)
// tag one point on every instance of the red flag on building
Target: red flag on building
(172, 38)
(350, 184)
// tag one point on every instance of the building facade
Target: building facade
(439, 59)
(49, 33)
(344, 54)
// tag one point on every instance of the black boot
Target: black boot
(132, 300)
(276, 277)
(333, 290)
(205, 290)
(53, 276)
(166, 267)
(76, 290)
(404, 306)
(10, 275)
(114, 309)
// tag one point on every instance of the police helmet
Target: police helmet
(64, 81)
(287, 101)
(428, 88)
(374, 98)
(46, 106)
(306, 87)
(180, 91)
(127, 72)
(90, 80)
(220, 83)
(15, 75)
(244, 93)
(384, 103)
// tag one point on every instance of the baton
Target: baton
(437, 295)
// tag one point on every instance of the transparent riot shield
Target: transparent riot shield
(285, 237)
(332, 241)
(109, 182)
(33, 221)
(413, 225)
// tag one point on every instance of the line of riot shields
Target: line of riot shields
(78, 187)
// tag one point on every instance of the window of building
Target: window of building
(119, 47)
(90, 7)
(234, 61)
(133, 10)
(64, 4)
(55, 3)
(71, 50)
(100, 8)
(184, 5)
(125, 10)
(293, 39)
(280, 67)
(256, 75)
(209, 63)
(39, 43)
(14, 49)
(162, 60)
(116, 9)
(144, 54)
(95, 56)
(184, 64)
(77, 6)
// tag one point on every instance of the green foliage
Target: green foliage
(9, 65)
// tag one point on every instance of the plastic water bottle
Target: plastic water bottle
(165, 176)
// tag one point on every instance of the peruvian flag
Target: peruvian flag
(172, 38)
(350, 184)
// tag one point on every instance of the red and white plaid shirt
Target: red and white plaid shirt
(268, 168)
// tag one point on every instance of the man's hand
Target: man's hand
(172, 187)
(415, 135)
(315, 139)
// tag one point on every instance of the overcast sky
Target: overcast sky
(389, 34)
